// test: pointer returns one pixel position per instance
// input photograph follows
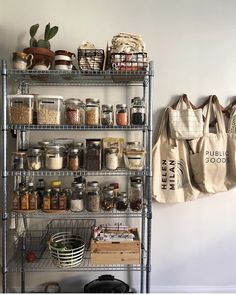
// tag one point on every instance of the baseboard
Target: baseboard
(193, 289)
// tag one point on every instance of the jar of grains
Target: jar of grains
(73, 159)
(122, 202)
(21, 109)
(111, 158)
(74, 111)
(107, 115)
(54, 157)
(49, 109)
(137, 111)
(121, 115)
(77, 197)
(93, 154)
(93, 197)
(34, 159)
(107, 202)
(136, 196)
(92, 111)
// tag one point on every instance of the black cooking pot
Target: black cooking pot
(106, 284)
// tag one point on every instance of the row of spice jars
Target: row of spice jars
(80, 197)
(55, 156)
(47, 109)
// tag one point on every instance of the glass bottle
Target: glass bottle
(77, 197)
(55, 185)
(33, 197)
(24, 196)
(93, 154)
(121, 115)
(92, 112)
(62, 200)
(47, 199)
(93, 197)
(16, 200)
(40, 188)
(107, 201)
(107, 115)
(137, 111)
(136, 196)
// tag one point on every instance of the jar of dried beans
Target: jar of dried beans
(107, 115)
(136, 196)
(74, 111)
(121, 115)
(93, 197)
(137, 111)
(92, 111)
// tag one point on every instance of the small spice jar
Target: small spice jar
(122, 202)
(74, 111)
(111, 158)
(80, 146)
(136, 196)
(55, 185)
(54, 157)
(121, 115)
(107, 115)
(19, 161)
(77, 197)
(92, 111)
(73, 159)
(137, 111)
(24, 196)
(47, 199)
(16, 200)
(107, 202)
(93, 197)
(93, 154)
(34, 159)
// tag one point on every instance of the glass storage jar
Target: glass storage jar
(73, 159)
(122, 202)
(66, 143)
(24, 196)
(136, 196)
(49, 109)
(137, 111)
(21, 109)
(19, 161)
(107, 201)
(80, 146)
(55, 192)
(93, 154)
(77, 197)
(43, 145)
(54, 157)
(34, 159)
(92, 111)
(74, 111)
(46, 205)
(121, 115)
(93, 197)
(107, 115)
(111, 158)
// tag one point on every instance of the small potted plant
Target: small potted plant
(40, 49)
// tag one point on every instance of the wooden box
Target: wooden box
(123, 252)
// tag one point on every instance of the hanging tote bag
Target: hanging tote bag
(231, 128)
(172, 179)
(185, 122)
(213, 158)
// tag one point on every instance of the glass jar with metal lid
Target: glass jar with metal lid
(34, 159)
(111, 158)
(93, 196)
(43, 144)
(19, 161)
(93, 154)
(122, 202)
(107, 201)
(121, 115)
(74, 111)
(92, 111)
(107, 115)
(73, 159)
(54, 157)
(137, 111)
(66, 143)
(136, 196)
(77, 197)
(55, 185)
(80, 146)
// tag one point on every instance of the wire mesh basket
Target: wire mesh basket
(90, 59)
(129, 62)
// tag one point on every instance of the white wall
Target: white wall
(192, 43)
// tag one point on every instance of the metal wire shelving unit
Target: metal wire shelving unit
(78, 78)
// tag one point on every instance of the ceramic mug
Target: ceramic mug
(42, 65)
(21, 60)
(64, 55)
(63, 65)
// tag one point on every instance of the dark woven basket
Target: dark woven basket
(90, 59)
(129, 62)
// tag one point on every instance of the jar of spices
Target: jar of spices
(122, 202)
(107, 202)
(92, 111)
(54, 157)
(74, 111)
(77, 197)
(137, 111)
(93, 154)
(121, 115)
(93, 197)
(136, 196)
(47, 199)
(19, 161)
(80, 146)
(34, 159)
(56, 187)
(62, 200)
(111, 158)
(73, 159)
(107, 116)
(16, 200)
(24, 196)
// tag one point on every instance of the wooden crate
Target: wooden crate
(124, 252)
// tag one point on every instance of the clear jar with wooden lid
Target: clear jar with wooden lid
(74, 111)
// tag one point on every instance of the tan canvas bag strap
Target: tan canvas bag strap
(219, 116)
(163, 127)
(208, 116)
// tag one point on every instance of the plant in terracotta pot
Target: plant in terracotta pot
(40, 49)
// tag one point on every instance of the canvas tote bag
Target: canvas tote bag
(232, 121)
(213, 158)
(185, 122)
(172, 180)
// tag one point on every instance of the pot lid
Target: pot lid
(106, 284)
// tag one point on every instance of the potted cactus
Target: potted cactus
(40, 49)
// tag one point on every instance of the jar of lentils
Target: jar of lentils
(121, 115)
(137, 111)
(74, 111)
(107, 115)
(92, 111)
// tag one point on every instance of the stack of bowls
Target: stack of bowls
(64, 60)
